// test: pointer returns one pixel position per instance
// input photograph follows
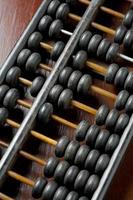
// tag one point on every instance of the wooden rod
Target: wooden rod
(24, 103)
(46, 67)
(46, 46)
(5, 197)
(25, 81)
(103, 28)
(98, 68)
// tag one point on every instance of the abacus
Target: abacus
(67, 91)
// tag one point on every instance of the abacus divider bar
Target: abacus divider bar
(5, 197)
(27, 124)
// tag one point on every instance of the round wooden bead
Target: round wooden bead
(12, 76)
(101, 139)
(61, 146)
(129, 82)
(121, 100)
(60, 171)
(101, 115)
(92, 134)
(70, 176)
(45, 113)
(112, 52)
(84, 84)
(121, 77)
(52, 8)
(81, 180)
(50, 167)
(3, 115)
(81, 130)
(72, 196)
(71, 151)
(129, 105)
(36, 85)
(128, 39)
(44, 24)
(55, 93)
(57, 50)
(61, 193)
(102, 163)
(103, 48)
(93, 44)
(64, 75)
(91, 159)
(120, 34)
(49, 190)
(112, 143)
(91, 185)
(81, 155)
(111, 73)
(79, 60)
(33, 62)
(55, 28)
(85, 39)
(38, 187)
(34, 40)
(3, 90)
(10, 99)
(121, 123)
(22, 57)
(65, 99)
(63, 11)
(74, 79)
(111, 119)
(128, 19)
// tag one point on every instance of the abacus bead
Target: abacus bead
(102, 139)
(83, 198)
(71, 151)
(111, 73)
(79, 60)
(60, 171)
(12, 76)
(120, 34)
(121, 123)
(64, 75)
(111, 119)
(52, 8)
(55, 28)
(128, 85)
(81, 180)
(91, 134)
(3, 90)
(45, 113)
(72, 196)
(103, 48)
(50, 166)
(93, 44)
(121, 77)
(112, 52)
(11, 97)
(22, 57)
(70, 176)
(33, 62)
(112, 143)
(74, 79)
(128, 39)
(36, 86)
(44, 24)
(61, 146)
(81, 130)
(65, 98)
(91, 185)
(85, 39)
(102, 163)
(61, 193)
(49, 190)
(38, 187)
(55, 93)
(121, 100)
(81, 155)
(129, 105)
(34, 40)
(63, 11)
(84, 84)
(57, 50)
(128, 19)
(3, 115)
(91, 159)
(101, 115)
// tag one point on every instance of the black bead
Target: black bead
(65, 98)
(81, 180)
(102, 163)
(91, 159)
(33, 62)
(111, 73)
(55, 93)
(101, 115)
(120, 34)
(50, 166)
(52, 8)
(112, 52)
(81, 155)
(128, 39)
(128, 19)
(22, 57)
(112, 143)
(91, 185)
(111, 119)
(121, 124)
(3, 90)
(129, 82)
(36, 86)
(61, 193)
(71, 151)
(102, 139)
(70, 176)
(81, 130)
(61, 146)
(91, 134)
(73, 80)
(129, 105)
(38, 187)
(63, 11)
(121, 100)
(55, 28)
(94, 43)
(3, 115)
(60, 171)
(57, 50)
(121, 77)
(12, 76)
(10, 99)
(85, 39)
(79, 60)
(84, 84)
(64, 75)
(72, 196)
(44, 24)
(49, 190)
(45, 113)
(103, 48)
(34, 40)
